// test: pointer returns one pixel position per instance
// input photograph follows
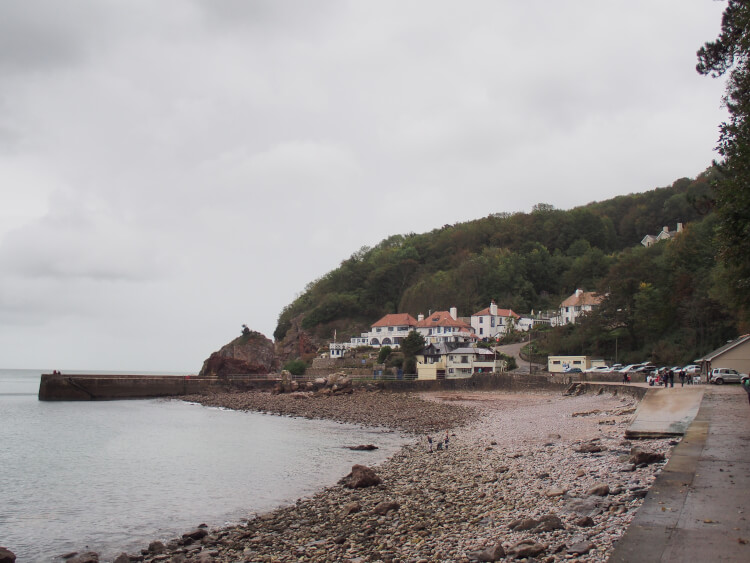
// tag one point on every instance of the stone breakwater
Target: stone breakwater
(537, 476)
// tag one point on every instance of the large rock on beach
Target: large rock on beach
(88, 557)
(360, 477)
(639, 456)
(6, 555)
(491, 553)
(248, 354)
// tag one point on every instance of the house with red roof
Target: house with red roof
(388, 331)
(391, 329)
(493, 322)
(444, 326)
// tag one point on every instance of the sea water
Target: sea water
(112, 476)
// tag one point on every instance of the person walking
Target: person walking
(682, 378)
(446, 440)
(429, 441)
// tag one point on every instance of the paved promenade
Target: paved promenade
(698, 510)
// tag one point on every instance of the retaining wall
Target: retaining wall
(86, 387)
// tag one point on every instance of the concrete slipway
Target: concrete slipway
(698, 509)
(665, 412)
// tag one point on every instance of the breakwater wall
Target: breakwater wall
(87, 387)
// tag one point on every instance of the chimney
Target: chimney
(665, 229)
(420, 317)
(679, 227)
(493, 308)
(454, 313)
(579, 292)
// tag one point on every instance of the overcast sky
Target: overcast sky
(170, 170)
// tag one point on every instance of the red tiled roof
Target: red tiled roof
(585, 298)
(442, 318)
(397, 319)
(500, 313)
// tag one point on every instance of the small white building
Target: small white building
(580, 303)
(558, 364)
(665, 234)
(493, 322)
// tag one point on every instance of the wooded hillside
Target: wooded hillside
(665, 300)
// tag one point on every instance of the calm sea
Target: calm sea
(113, 476)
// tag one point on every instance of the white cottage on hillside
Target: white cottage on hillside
(580, 303)
(388, 331)
(493, 322)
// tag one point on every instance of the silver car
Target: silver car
(719, 376)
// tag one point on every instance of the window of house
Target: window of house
(556, 362)
(464, 359)
(492, 321)
(481, 331)
(481, 320)
(377, 330)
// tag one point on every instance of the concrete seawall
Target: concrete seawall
(86, 387)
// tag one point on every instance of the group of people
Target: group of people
(666, 378)
(440, 443)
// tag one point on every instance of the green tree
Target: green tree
(385, 351)
(295, 367)
(410, 347)
(730, 53)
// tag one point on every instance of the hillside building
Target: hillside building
(580, 303)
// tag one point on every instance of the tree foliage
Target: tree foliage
(728, 55)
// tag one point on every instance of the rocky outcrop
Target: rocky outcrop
(297, 343)
(251, 353)
(6, 555)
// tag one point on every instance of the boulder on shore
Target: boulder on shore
(360, 477)
(248, 354)
(7, 556)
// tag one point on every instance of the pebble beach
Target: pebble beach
(535, 476)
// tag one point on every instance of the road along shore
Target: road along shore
(536, 474)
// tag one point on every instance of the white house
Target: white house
(493, 322)
(665, 234)
(388, 331)
(580, 303)
(444, 326)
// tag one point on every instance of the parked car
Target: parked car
(573, 370)
(646, 370)
(720, 376)
(599, 369)
(630, 368)
(615, 367)
(692, 369)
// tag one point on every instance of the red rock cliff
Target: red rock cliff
(251, 353)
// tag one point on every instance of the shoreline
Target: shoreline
(535, 473)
